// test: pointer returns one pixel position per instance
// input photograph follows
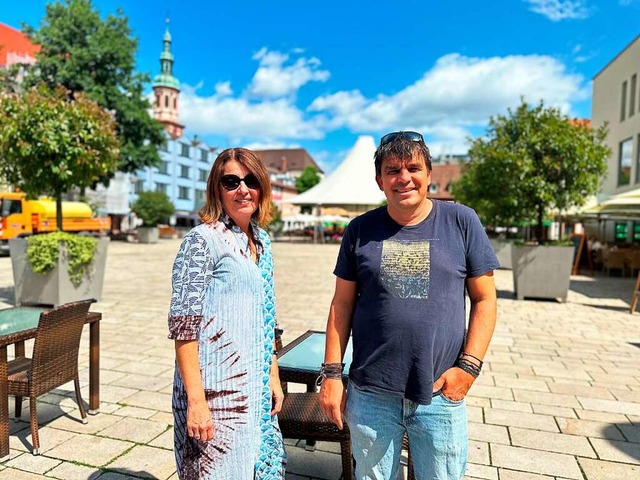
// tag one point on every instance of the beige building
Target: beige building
(616, 101)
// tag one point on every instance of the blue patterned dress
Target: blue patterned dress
(222, 299)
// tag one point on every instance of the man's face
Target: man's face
(405, 183)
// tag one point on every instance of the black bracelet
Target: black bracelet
(465, 354)
(467, 366)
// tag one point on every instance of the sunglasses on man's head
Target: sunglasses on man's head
(411, 136)
(231, 182)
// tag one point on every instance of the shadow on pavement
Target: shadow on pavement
(131, 473)
(631, 447)
(604, 287)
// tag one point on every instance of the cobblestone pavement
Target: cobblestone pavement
(559, 397)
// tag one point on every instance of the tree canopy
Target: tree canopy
(53, 140)
(84, 53)
(533, 162)
(308, 179)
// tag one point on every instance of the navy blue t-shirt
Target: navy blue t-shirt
(409, 319)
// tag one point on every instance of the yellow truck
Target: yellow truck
(20, 217)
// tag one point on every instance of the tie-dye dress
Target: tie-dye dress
(222, 299)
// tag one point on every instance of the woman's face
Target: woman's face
(241, 202)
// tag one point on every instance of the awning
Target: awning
(626, 204)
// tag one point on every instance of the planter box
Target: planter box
(542, 271)
(502, 249)
(148, 234)
(55, 288)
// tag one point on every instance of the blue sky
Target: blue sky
(291, 74)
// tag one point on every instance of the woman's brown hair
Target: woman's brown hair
(212, 209)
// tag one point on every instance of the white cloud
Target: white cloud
(224, 89)
(242, 118)
(278, 77)
(556, 10)
(457, 93)
(275, 145)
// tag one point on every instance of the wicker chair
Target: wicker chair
(54, 362)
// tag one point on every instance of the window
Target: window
(166, 101)
(9, 207)
(204, 155)
(175, 103)
(638, 160)
(163, 167)
(621, 232)
(636, 232)
(184, 171)
(164, 146)
(624, 162)
(138, 187)
(632, 96)
(623, 103)
(184, 150)
(183, 193)
(161, 187)
(157, 100)
(199, 198)
(203, 174)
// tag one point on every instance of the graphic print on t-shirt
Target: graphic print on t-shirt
(405, 268)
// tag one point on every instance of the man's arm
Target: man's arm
(338, 330)
(455, 382)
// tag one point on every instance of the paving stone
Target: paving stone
(33, 463)
(13, 474)
(535, 461)
(513, 406)
(526, 420)
(491, 392)
(144, 366)
(631, 432)
(617, 451)
(145, 462)
(626, 396)
(153, 400)
(602, 416)
(554, 411)
(165, 440)
(475, 414)
(552, 442)
(488, 433)
(580, 390)
(134, 430)
(162, 417)
(481, 471)
(94, 424)
(478, 452)
(90, 450)
(612, 406)
(601, 470)
(143, 382)
(522, 384)
(514, 475)
(136, 412)
(71, 471)
(115, 393)
(320, 465)
(543, 398)
(470, 400)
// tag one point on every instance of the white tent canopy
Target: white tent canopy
(352, 183)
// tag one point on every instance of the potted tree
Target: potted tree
(532, 163)
(152, 208)
(52, 142)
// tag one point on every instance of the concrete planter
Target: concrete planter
(502, 249)
(55, 288)
(148, 234)
(541, 271)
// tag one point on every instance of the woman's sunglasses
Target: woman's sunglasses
(411, 136)
(231, 182)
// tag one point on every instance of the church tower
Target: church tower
(166, 90)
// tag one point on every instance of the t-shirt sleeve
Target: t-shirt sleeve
(346, 267)
(190, 276)
(480, 255)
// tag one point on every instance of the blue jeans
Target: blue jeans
(437, 433)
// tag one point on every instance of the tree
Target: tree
(84, 53)
(52, 141)
(308, 179)
(152, 208)
(534, 161)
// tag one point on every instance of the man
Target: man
(400, 291)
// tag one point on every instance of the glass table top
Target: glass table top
(309, 354)
(14, 320)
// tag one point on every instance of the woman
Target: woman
(222, 317)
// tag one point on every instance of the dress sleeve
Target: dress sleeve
(189, 279)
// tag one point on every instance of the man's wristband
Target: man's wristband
(330, 370)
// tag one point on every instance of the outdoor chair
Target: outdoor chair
(615, 260)
(54, 362)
